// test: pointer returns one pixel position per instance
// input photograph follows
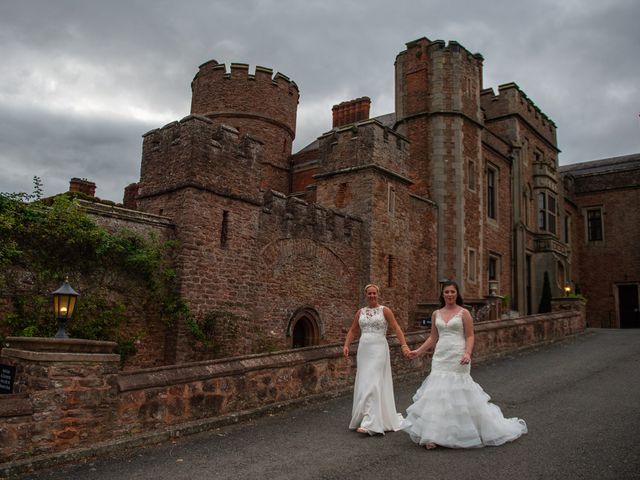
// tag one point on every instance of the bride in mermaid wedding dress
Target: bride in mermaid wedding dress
(450, 409)
(374, 407)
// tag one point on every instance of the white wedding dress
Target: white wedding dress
(374, 406)
(449, 408)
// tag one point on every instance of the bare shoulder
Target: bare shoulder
(466, 314)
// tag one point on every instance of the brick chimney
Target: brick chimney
(82, 185)
(351, 111)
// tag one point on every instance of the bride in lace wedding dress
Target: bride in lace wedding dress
(450, 409)
(374, 407)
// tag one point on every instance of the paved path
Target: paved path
(580, 398)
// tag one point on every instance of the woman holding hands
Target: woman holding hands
(449, 408)
(374, 406)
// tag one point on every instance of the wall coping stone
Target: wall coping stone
(63, 345)
(59, 356)
(190, 372)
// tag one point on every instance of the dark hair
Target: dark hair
(447, 283)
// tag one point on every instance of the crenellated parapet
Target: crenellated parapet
(510, 101)
(295, 218)
(434, 77)
(273, 98)
(196, 152)
(440, 46)
(364, 144)
(260, 104)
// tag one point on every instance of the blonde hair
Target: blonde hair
(372, 285)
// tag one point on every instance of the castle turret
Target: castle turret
(438, 110)
(262, 105)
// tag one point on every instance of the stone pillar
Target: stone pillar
(65, 395)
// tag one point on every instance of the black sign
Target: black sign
(7, 377)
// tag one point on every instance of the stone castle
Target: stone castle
(275, 247)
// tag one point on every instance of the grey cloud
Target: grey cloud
(575, 59)
(59, 147)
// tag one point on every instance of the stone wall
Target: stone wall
(73, 403)
(613, 262)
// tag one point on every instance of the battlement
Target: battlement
(364, 143)
(433, 76)
(262, 95)
(198, 152)
(511, 100)
(240, 71)
(296, 218)
(440, 46)
(261, 104)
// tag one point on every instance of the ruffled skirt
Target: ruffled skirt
(451, 410)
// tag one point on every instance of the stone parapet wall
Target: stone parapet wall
(65, 397)
(511, 100)
(79, 399)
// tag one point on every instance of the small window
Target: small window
(224, 229)
(537, 156)
(594, 225)
(492, 175)
(567, 229)
(472, 265)
(390, 271)
(552, 213)
(542, 212)
(493, 268)
(391, 200)
(472, 175)
(547, 213)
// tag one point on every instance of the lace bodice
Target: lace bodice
(450, 346)
(372, 320)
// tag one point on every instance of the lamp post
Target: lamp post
(64, 301)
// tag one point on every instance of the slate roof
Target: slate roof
(606, 165)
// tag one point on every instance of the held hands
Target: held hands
(406, 351)
(466, 359)
(413, 354)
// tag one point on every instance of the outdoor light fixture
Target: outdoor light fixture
(567, 289)
(64, 301)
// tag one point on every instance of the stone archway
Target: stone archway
(305, 328)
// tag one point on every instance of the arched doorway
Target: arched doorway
(305, 328)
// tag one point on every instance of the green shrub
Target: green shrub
(43, 241)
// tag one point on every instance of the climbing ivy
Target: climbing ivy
(43, 241)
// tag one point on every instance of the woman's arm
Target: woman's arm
(393, 323)
(469, 338)
(429, 342)
(351, 334)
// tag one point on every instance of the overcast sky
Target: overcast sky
(81, 81)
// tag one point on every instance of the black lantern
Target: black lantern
(64, 301)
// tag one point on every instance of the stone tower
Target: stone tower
(438, 110)
(208, 173)
(261, 104)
